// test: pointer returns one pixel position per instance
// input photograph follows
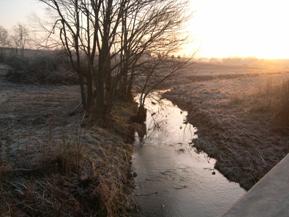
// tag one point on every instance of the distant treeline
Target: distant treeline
(246, 61)
(38, 66)
(28, 53)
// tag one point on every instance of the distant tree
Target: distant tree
(3, 40)
(3, 37)
(20, 37)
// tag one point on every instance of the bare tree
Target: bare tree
(151, 37)
(3, 36)
(108, 42)
(3, 39)
(20, 37)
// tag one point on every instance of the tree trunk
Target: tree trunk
(141, 114)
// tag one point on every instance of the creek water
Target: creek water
(173, 180)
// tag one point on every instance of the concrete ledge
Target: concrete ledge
(268, 198)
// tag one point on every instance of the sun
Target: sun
(247, 28)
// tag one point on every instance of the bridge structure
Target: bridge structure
(268, 198)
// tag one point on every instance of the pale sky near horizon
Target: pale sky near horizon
(15, 11)
(218, 28)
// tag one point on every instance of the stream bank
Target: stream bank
(232, 109)
(50, 166)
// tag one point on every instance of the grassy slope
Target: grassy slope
(235, 111)
(49, 166)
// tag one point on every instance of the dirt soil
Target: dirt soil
(50, 166)
(232, 107)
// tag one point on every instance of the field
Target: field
(53, 165)
(241, 112)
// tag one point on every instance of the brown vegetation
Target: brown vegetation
(241, 118)
(108, 45)
(50, 166)
(49, 68)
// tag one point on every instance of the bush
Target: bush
(17, 63)
(44, 69)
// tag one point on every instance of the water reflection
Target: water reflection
(141, 131)
(174, 180)
(164, 119)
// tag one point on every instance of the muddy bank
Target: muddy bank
(234, 125)
(50, 166)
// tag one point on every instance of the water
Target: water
(173, 180)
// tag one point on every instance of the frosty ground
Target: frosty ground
(239, 113)
(50, 165)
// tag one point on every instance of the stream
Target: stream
(173, 180)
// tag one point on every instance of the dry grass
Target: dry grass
(242, 121)
(271, 99)
(282, 109)
(54, 168)
(121, 119)
(63, 183)
(76, 176)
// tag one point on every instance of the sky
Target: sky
(240, 28)
(217, 28)
(18, 11)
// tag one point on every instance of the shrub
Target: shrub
(42, 69)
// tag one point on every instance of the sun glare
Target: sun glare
(247, 28)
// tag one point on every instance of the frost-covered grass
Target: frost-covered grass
(50, 166)
(237, 112)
